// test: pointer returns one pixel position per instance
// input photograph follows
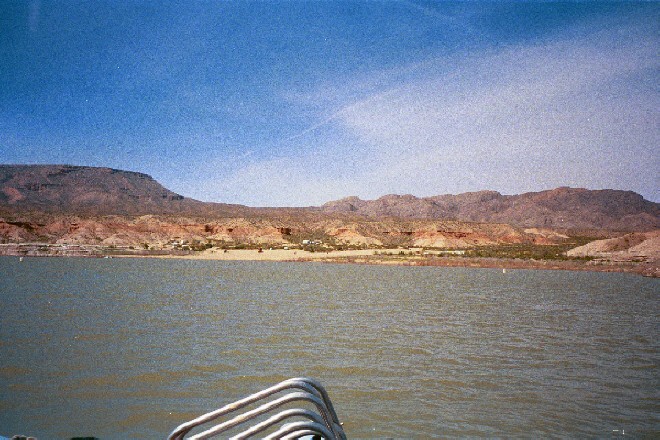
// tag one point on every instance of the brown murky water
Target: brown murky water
(126, 348)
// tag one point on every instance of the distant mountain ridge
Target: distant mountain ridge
(564, 208)
(77, 190)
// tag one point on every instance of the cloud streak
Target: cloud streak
(580, 112)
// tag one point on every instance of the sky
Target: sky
(297, 103)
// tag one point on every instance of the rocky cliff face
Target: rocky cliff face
(564, 208)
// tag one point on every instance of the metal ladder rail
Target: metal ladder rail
(302, 383)
(277, 418)
(324, 395)
(298, 429)
(300, 434)
(267, 407)
(306, 384)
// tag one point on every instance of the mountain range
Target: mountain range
(91, 191)
(564, 208)
(73, 205)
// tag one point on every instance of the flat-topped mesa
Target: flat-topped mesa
(75, 189)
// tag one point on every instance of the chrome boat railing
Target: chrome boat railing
(323, 423)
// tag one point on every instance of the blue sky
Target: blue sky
(299, 103)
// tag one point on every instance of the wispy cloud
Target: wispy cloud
(277, 182)
(511, 97)
(578, 111)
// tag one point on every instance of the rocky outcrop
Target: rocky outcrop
(351, 234)
(635, 246)
(459, 235)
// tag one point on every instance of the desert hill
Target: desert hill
(639, 245)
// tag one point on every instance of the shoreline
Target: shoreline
(383, 257)
(645, 269)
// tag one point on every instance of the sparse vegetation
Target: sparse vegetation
(529, 251)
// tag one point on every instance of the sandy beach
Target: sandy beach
(272, 255)
(392, 257)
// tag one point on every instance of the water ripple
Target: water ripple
(132, 348)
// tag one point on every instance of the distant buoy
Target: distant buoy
(20, 259)
(503, 270)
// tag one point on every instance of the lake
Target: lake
(131, 348)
